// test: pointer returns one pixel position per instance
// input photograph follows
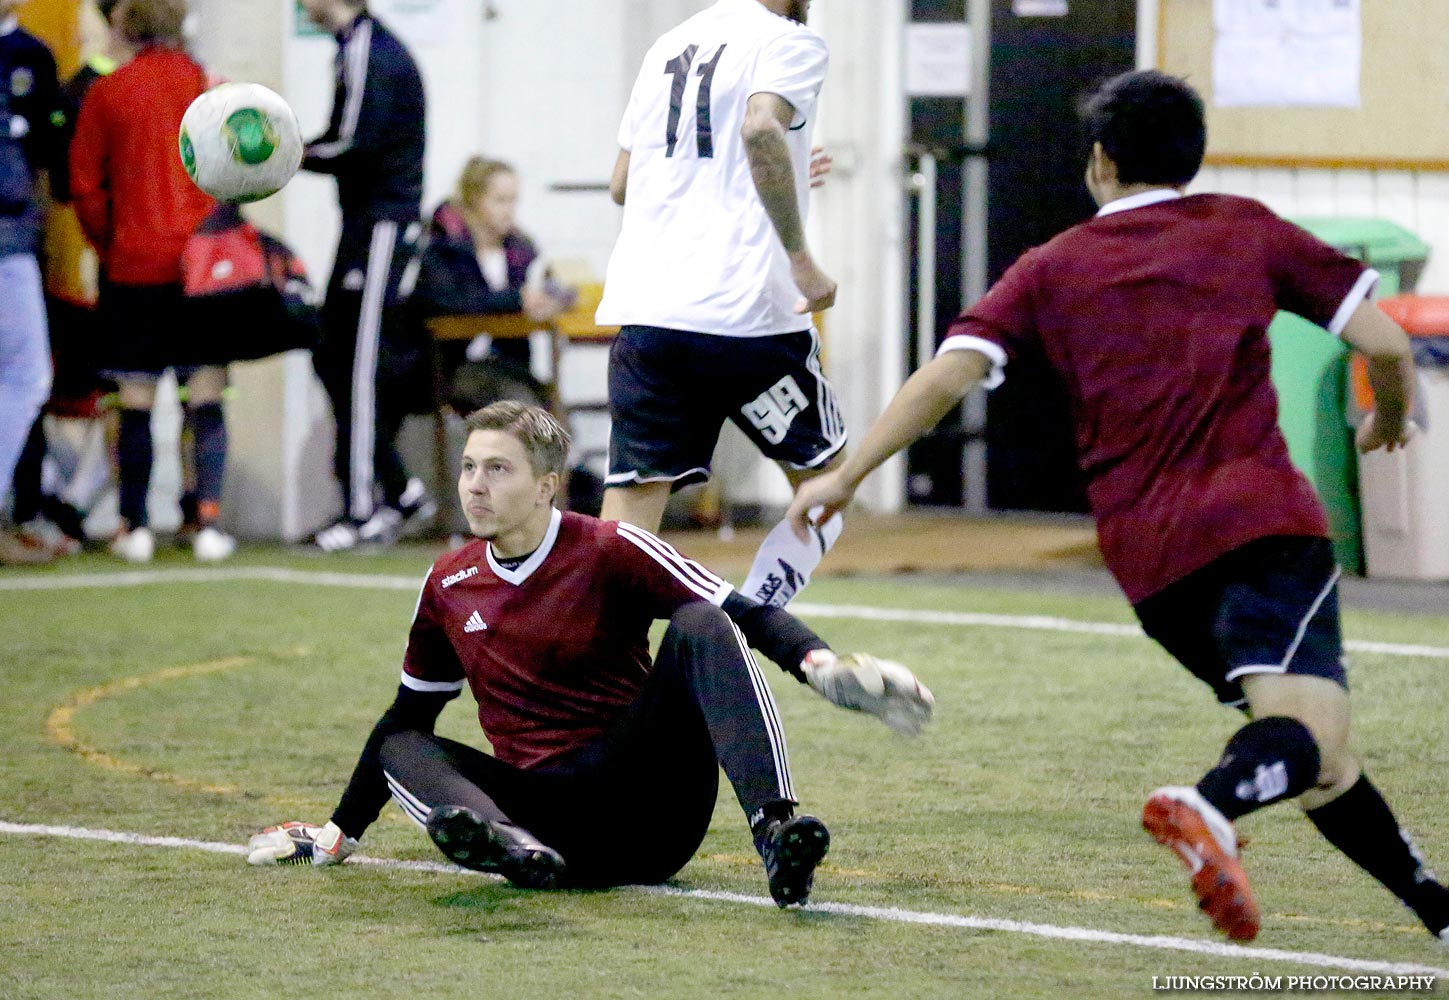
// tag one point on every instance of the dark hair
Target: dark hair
(107, 7)
(1150, 124)
(542, 436)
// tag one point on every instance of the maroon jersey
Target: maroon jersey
(1155, 315)
(555, 650)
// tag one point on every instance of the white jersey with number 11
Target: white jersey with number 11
(697, 251)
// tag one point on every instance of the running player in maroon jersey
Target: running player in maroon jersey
(1155, 314)
(605, 766)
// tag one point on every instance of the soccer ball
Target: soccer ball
(240, 142)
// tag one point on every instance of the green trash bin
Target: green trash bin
(1310, 373)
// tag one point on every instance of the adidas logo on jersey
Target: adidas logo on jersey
(475, 623)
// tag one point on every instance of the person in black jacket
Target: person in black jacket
(373, 370)
(477, 261)
(51, 519)
(29, 103)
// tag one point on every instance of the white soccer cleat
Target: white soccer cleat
(211, 545)
(135, 546)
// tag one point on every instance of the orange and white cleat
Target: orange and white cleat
(1180, 818)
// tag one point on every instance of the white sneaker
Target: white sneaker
(136, 546)
(382, 528)
(337, 537)
(44, 533)
(211, 545)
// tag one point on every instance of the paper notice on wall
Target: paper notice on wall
(938, 59)
(1287, 53)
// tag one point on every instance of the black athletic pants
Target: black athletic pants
(362, 323)
(632, 807)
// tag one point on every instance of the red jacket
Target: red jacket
(131, 193)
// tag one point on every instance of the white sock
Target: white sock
(783, 565)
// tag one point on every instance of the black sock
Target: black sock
(1266, 761)
(1360, 824)
(134, 459)
(209, 429)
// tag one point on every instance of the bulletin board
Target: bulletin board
(1403, 120)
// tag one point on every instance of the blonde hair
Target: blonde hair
(542, 436)
(140, 22)
(473, 183)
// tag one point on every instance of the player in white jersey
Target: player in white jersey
(711, 279)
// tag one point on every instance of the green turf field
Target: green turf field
(205, 710)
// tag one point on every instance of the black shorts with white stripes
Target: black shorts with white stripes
(670, 392)
(1267, 607)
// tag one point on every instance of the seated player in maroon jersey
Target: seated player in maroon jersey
(605, 766)
(1154, 314)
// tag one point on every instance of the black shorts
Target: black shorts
(670, 392)
(144, 330)
(1267, 607)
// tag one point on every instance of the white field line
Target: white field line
(885, 913)
(373, 581)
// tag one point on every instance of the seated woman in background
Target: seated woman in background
(476, 261)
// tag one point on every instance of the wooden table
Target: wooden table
(574, 326)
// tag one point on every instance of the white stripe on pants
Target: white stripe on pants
(364, 367)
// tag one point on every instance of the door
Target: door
(1040, 66)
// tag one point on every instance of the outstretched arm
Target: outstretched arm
(927, 396)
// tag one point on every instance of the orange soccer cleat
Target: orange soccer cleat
(1180, 818)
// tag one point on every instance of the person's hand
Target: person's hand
(1391, 436)
(865, 683)
(817, 287)
(820, 164)
(539, 305)
(295, 843)
(817, 500)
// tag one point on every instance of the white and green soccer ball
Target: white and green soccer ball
(240, 142)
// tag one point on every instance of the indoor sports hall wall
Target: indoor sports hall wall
(541, 84)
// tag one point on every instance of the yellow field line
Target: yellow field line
(60, 725)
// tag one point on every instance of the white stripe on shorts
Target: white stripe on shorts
(1281, 667)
